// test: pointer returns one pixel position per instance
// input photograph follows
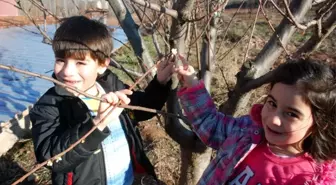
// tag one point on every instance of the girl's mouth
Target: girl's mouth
(273, 131)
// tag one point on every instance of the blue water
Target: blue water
(25, 50)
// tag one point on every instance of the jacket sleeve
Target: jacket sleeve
(154, 96)
(51, 136)
(210, 125)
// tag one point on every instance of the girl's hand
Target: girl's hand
(104, 114)
(165, 69)
(186, 75)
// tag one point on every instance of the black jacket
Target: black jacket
(59, 120)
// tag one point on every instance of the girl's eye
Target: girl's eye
(291, 114)
(271, 103)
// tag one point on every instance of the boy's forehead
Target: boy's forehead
(86, 58)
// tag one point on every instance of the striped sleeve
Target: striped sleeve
(211, 126)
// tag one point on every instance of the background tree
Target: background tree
(198, 30)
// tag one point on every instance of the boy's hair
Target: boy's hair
(316, 81)
(78, 36)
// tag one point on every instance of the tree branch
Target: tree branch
(156, 7)
(319, 35)
(270, 24)
(249, 42)
(43, 9)
(228, 26)
(11, 68)
(46, 38)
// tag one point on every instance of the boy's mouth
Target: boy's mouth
(71, 82)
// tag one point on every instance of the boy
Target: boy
(113, 152)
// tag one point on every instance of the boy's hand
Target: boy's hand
(165, 70)
(186, 75)
(113, 98)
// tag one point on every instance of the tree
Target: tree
(192, 22)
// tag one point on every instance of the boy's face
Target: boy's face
(81, 74)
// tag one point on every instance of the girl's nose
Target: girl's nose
(275, 119)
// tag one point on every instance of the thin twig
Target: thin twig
(241, 38)
(20, 26)
(223, 75)
(291, 16)
(81, 92)
(249, 42)
(270, 24)
(43, 9)
(153, 6)
(228, 26)
(76, 5)
(45, 35)
(208, 21)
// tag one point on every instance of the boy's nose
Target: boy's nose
(68, 69)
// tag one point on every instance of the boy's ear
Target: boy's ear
(107, 62)
(103, 67)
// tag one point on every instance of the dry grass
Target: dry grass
(18, 161)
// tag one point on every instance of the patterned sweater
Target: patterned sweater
(233, 138)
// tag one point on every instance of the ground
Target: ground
(163, 152)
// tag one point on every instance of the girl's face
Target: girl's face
(286, 118)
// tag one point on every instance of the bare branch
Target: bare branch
(317, 38)
(270, 24)
(228, 26)
(11, 68)
(46, 38)
(20, 26)
(9, 3)
(73, 1)
(241, 38)
(127, 71)
(43, 9)
(249, 42)
(170, 12)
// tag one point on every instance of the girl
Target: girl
(290, 139)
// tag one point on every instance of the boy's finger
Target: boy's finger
(112, 98)
(126, 91)
(122, 97)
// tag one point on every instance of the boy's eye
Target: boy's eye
(81, 63)
(59, 61)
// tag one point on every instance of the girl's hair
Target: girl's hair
(79, 36)
(316, 81)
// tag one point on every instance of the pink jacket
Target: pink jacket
(233, 138)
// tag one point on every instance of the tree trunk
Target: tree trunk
(131, 30)
(237, 102)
